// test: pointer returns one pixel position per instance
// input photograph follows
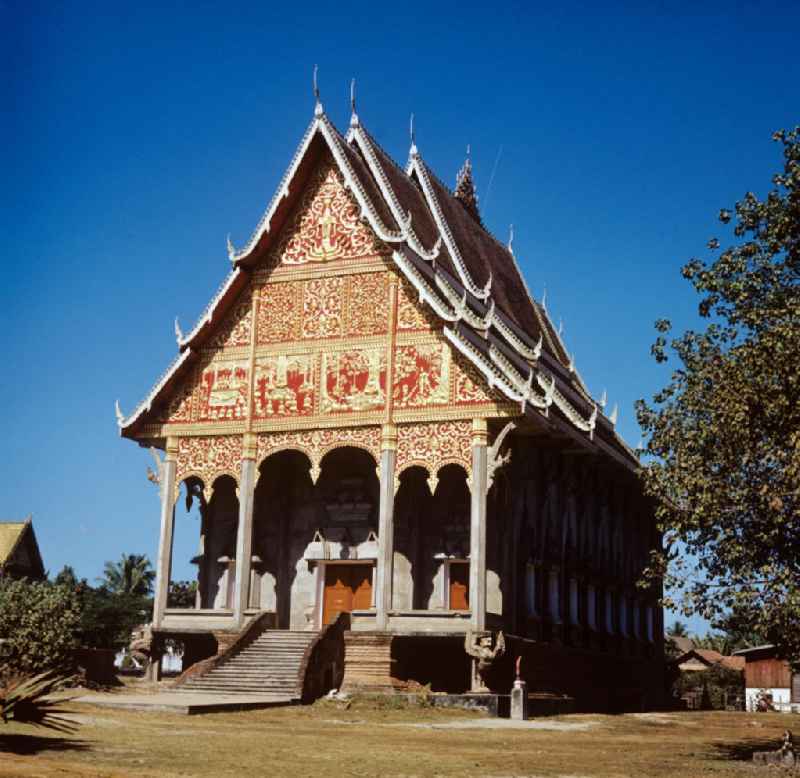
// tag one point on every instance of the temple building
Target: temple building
(393, 452)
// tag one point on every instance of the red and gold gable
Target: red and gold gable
(327, 330)
(326, 225)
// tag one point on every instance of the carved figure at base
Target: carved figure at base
(141, 645)
(479, 647)
(785, 756)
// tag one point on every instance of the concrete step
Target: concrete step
(269, 665)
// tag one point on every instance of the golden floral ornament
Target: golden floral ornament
(315, 444)
(327, 225)
(431, 446)
(208, 458)
(279, 312)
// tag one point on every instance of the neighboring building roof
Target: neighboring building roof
(471, 281)
(10, 535)
(19, 551)
(745, 651)
(708, 658)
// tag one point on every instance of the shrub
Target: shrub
(38, 621)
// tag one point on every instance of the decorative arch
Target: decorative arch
(432, 446)
(207, 458)
(315, 444)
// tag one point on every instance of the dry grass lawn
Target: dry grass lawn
(327, 739)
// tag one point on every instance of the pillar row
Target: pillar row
(164, 564)
(385, 564)
(244, 533)
(477, 527)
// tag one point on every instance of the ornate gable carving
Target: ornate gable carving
(326, 225)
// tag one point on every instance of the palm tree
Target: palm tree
(678, 630)
(133, 574)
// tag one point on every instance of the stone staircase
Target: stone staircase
(270, 665)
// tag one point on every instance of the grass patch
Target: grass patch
(379, 737)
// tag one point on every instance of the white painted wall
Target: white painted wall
(781, 697)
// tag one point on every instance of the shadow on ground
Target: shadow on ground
(744, 750)
(25, 745)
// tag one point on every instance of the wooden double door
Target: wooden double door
(458, 596)
(348, 587)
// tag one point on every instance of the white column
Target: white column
(384, 571)
(164, 565)
(477, 527)
(244, 535)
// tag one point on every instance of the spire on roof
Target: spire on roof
(465, 189)
(318, 110)
(412, 152)
(353, 114)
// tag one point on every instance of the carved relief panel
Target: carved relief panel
(284, 386)
(235, 328)
(421, 375)
(412, 315)
(223, 392)
(367, 304)
(469, 386)
(326, 225)
(353, 380)
(279, 312)
(322, 308)
(179, 408)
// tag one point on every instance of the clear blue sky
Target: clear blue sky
(140, 134)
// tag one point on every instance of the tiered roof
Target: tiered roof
(471, 281)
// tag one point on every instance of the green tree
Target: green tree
(182, 594)
(723, 437)
(133, 574)
(108, 618)
(38, 623)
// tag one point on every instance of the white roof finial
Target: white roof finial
(318, 111)
(413, 150)
(118, 412)
(614, 415)
(544, 299)
(353, 114)
(511, 239)
(178, 331)
(603, 399)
